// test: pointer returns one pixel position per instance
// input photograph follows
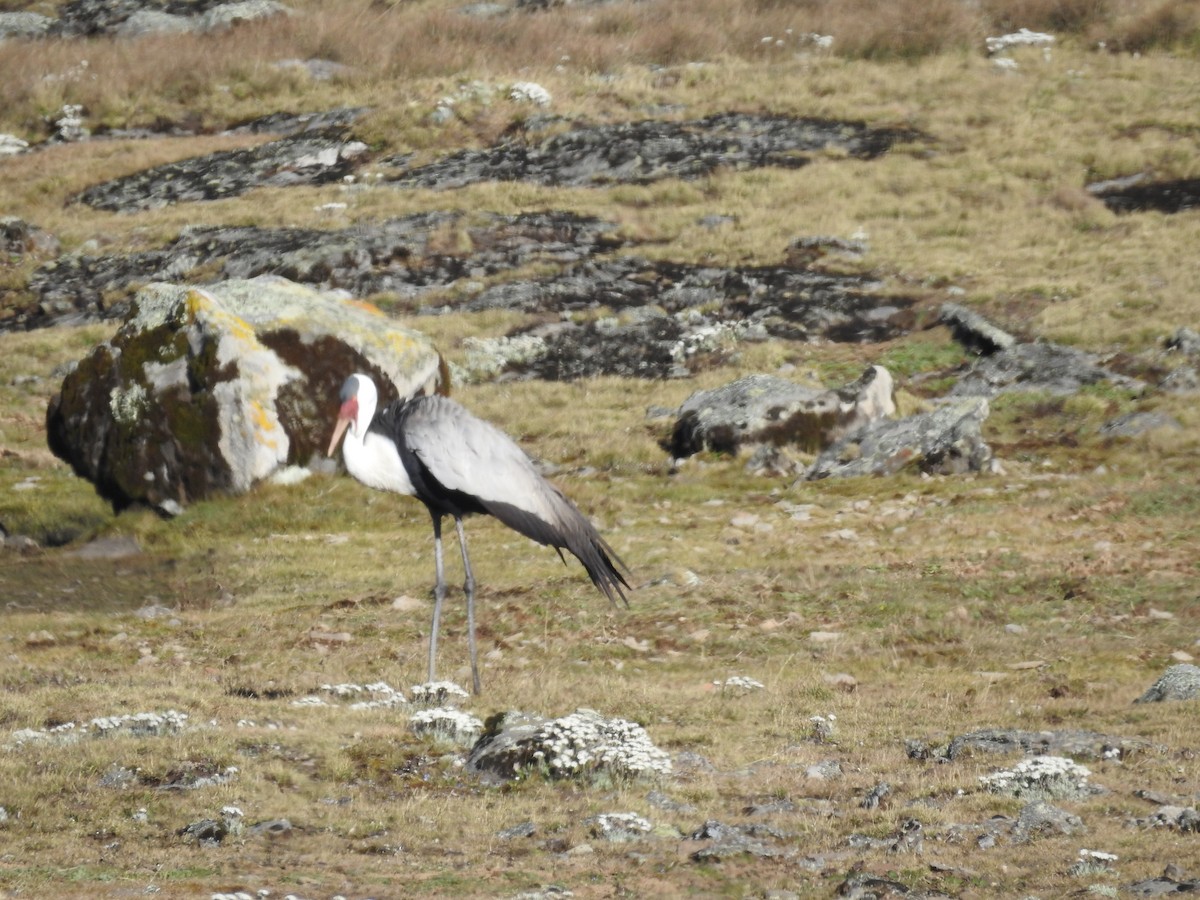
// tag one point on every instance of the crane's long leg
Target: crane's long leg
(439, 591)
(469, 590)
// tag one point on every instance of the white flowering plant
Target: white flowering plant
(450, 724)
(145, 724)
(1042, 777)
(586, 743)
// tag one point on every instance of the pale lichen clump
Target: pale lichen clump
(738, 684)
(382, 696)
(1040, 778)
(451, 724)
(146, 724)
(437, 693)
(624, 826)
(583, 742)
(127, 405)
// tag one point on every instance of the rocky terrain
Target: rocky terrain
(908, 485)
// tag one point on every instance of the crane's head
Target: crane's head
(359, 398)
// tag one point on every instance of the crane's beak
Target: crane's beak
(342, 425)
(347, 414)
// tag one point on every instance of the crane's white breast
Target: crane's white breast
(376, 463)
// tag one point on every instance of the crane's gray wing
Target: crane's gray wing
(473, 457)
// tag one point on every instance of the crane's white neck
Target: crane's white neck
(367, 398)
(372, 458)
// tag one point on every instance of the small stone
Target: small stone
(405, 603)
(327, 637)
(824, 637)
(826, 770)
(842, 682)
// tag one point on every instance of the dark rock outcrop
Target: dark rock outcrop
(1079, 744)
(674, 318)
(973, 331)
(1137, 193)
(650, 150)
(406, 257)
(306, 158)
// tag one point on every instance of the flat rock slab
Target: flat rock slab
(1137, 193)
(675, 319)
(132, 18)
(406, 256)
(307, 158)
(1047, 367)
(650, 150)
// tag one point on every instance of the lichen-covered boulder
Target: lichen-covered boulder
(764, 409)
(946, 441)
(208, 391)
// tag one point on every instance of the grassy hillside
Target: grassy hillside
(1047, 596)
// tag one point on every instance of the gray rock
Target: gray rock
(659, 800)
(731, 841)
(154, 21)
(946, 441)
(1079, 744)
(226, 15)
(1181, 682)
(19, 238)
(24, 25)
(1041, 819)
(523, 830)
(316, 69)
(1181, 380)
(1158, 887)
(116, 547)
(1137, 423)
(771, 410)
(202, 393)
(1185, 341)
(1047, 367)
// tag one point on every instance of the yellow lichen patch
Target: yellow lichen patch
(366, 307)
(266, 425)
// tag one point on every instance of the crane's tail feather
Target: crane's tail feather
(606, 572)
(573, 532)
